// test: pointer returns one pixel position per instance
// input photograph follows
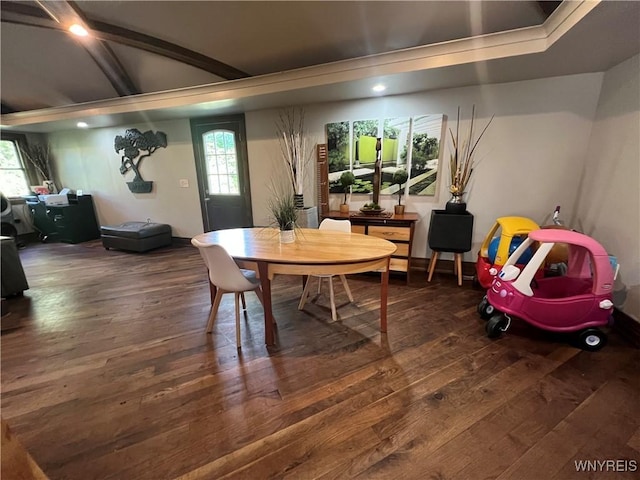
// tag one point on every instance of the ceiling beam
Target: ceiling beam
(67, 13)
(113, 33)
(23, 14)
(548, 7)
(6, 108)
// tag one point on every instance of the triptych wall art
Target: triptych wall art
(412, 143)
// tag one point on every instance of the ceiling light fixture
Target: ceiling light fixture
(82, 125)
(379, 88)
(78, 30)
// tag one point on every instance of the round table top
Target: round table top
(311, 246)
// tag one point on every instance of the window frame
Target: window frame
(20, 140)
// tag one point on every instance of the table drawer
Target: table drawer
(390, 233)
(358, 229)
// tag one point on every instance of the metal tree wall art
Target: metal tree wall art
(135, 147)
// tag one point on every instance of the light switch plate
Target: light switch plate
(184, 183)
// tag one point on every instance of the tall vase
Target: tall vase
(456, 204)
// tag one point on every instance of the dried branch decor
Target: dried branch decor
(462, 156)
(294, 144)
(40, 157)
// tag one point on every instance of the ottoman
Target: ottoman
(136, 236)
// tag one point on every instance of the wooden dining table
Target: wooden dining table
(314, 252)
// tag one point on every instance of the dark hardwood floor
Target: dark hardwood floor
(111, 376)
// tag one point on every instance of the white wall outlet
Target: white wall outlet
(184, 183)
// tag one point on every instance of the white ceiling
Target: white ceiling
(299, 53)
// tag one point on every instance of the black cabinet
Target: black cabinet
(73, 223)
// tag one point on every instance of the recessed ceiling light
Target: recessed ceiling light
(78, 30)
(82, 125)
(379, 88)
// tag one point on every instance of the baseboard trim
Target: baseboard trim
(180, 241)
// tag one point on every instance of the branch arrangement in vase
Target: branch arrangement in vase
(462, 158)
(295, 146)
(40, 157)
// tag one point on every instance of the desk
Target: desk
(315, 252)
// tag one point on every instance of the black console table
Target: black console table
(449, 232)
(73, 223)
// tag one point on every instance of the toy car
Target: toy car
(578, 301)
(495, 250)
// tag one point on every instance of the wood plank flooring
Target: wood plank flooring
(112, 376)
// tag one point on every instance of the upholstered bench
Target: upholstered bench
(136, 236)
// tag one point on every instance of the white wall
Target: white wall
(87, 160)
(530, 158)
(608, 198)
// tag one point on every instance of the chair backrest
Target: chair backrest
(337, 225)
(224, 273)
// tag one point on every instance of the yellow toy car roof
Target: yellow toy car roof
(516, 225)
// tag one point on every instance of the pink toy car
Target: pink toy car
(578, 301)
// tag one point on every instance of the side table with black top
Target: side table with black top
(449, 232)
(397, 229)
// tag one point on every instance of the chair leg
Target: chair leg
(305, 293)
(334, 315)
(258, 291)
(244, 304)
(214, 309)
(458, 259)
(346, 287)
(432, 264)
(237, 299)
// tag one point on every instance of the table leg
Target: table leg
(263, 269)
(384, 289)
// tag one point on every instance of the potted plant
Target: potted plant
(346, 180)
(461, 163)
(399, 178)
(284, 213)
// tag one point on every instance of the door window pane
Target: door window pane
(222, 162)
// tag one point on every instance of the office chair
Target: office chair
(340, 226)
(227, 277)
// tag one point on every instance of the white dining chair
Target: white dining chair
(227, 277)
(340, 226)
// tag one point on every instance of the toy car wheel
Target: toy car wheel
(496, 325)
(482, 304)
(485, 309)
(592, 339)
